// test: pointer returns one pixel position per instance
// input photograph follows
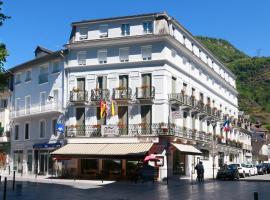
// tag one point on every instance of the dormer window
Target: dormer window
(148, 27)
(103, 30)
(83, 31)
(125, 29)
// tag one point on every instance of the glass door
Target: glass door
(43, 163)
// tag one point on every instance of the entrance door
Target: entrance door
(81, 87)
(123, 120)
(146, 119)
(80, 121)
(43, 163)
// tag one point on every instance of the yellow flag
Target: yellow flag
(113, 110)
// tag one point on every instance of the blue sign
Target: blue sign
(60, 128)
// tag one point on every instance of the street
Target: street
(177, 189)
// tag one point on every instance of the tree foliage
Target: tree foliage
(253, 77)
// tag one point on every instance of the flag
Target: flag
(226, 126)
(113, 109)
(102, 108)
(60, 127)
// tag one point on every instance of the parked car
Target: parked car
(228, 172)
(242, 170)
(252, 169)
(267, 166)
(261, 169)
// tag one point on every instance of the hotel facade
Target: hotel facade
(164, 92)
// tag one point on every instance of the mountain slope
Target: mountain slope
(253, 77)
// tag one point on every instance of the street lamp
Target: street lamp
(214, 124)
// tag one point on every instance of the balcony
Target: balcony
(98, 94)
(145, 93)
(122, 94)
(181, 99)
(51, 107)
(78, 96)
(135, 130)
(4, 135)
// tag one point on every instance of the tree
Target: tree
(3, 51)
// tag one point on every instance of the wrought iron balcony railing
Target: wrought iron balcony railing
(98, 94)
(78, 96)
(145, 92)
(143, 129)
(122, 93)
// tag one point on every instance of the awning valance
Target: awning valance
(77, 150)
(47, 145)
(187, 149)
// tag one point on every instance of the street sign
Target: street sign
(176, 114)
(109, 130)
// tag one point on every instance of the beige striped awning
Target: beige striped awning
(187, 149)
(113, 149)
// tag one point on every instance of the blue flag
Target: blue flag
(60, 127)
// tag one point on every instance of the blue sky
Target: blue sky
(245, 23)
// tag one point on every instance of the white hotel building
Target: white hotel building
(171, 98)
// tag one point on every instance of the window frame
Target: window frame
(16, 78)
(40, 121)
(146, 48)
(83, 36)
(28, 130)
(16, 134)
(79, 60)
(43, 74)
(25, 104)
(124, 31)
(99, 53)
(104, 34)
(28, 80)
(123, 56)
(58, 70)
(147, 30)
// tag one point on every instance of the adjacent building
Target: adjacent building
(35, 107)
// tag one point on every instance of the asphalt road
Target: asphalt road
(177, 189)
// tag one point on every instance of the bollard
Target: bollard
(256, 196)
(5, 189)
(0, 179)
(13, 182)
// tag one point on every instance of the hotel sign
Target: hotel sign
(109, 130)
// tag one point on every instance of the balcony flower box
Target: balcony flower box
(76, 90)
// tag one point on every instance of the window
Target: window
(43, 74)
(42, 129)
(17, 106)
(148, 27)
(3, 103)
(83, 31)
(103, 30)
(26, 131)
(124, 54)
(27, 104)
(28, 76)
(54, 122)
(102, 56)
(147, 53)
(205, 154)
(173, 53)
(18, 78)
(81, 57)
(42, 101)
(16, 133)
(125, 29)
(55, 67)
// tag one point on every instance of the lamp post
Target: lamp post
(214, 124)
